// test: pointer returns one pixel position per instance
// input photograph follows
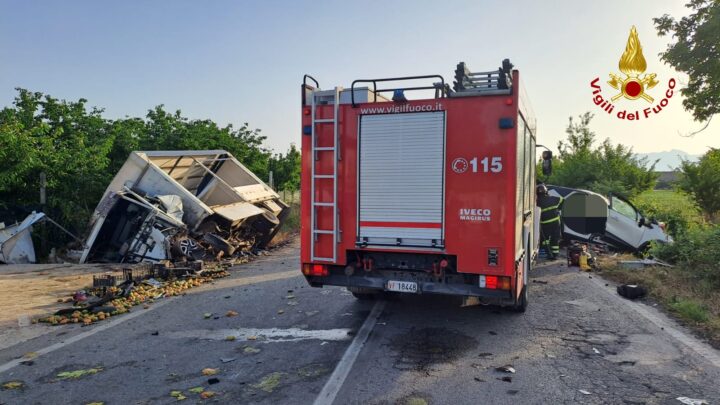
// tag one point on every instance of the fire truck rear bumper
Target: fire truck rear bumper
(456, 284)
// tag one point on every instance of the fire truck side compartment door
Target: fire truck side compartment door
(401, 176)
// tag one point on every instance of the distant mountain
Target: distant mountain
(669, 160)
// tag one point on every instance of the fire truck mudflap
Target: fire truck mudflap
(432, 196)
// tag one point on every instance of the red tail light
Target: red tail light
(315, 270)
(495, 282)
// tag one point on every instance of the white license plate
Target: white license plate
(402, 286)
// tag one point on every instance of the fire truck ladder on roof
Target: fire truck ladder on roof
(317, 153)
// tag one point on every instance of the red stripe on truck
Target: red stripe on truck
(424, 225)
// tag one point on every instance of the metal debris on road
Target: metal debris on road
(639, 264)
(596, 351)
(584, 392)
(506, 369)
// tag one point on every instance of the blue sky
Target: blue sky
(242, 61)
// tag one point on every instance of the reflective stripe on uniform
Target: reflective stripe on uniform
(553, 207)
(550, 220)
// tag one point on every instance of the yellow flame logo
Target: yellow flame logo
(633, 65)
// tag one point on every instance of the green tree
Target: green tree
(166, 131)
(61, 139)
(286, 169)
(702, 180)
(696, 52)
(604, 169)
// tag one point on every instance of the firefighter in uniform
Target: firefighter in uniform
(549, 220)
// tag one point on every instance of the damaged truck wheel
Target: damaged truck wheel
(219, 244)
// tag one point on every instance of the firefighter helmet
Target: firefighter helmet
(541, 189)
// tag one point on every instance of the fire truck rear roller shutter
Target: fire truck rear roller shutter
(401, 178)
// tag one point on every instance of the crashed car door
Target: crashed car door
(623, 223)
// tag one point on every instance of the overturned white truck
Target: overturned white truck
(174, 205)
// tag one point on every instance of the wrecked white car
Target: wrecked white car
(588, 216)
(174, 205)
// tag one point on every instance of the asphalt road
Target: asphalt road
(577, 343)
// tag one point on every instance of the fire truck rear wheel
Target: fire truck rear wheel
(522, 303)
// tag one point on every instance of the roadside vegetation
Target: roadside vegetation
(603, 167)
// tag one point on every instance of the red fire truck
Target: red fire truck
(425, 196)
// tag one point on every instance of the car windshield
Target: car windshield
(624, 208)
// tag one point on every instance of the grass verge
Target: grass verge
(679, 291)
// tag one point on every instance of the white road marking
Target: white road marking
(262, 335)
(336, 380)
(95, 329)
(705, 351)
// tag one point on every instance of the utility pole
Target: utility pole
(43, 202)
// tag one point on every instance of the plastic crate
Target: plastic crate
(138, 274)
(105, 280)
